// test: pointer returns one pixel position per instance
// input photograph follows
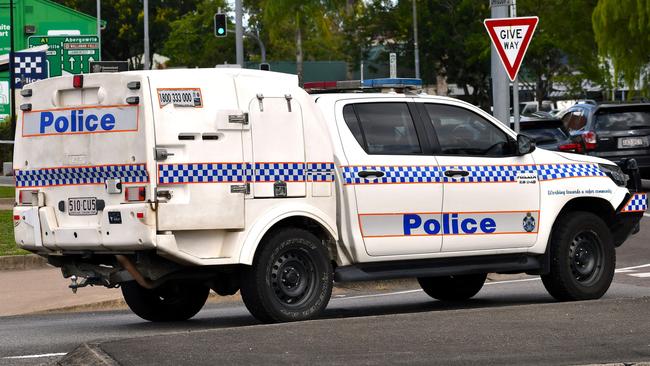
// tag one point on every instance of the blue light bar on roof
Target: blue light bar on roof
(392, 83)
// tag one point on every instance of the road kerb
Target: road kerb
(87, 354)
(22, 262)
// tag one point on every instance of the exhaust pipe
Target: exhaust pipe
(128, 265)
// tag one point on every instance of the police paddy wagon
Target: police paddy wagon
(171, 183)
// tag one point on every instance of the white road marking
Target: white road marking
(627, 269)
(377, 295)
(36, 356)
(513, 281)
(620, 270)
(646, 215)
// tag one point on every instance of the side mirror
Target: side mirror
(525, 145)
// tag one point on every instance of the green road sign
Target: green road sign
(68, 54)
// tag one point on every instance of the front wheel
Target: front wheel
(453, 288)
(291, 278)
(583, 258)
(172, 301)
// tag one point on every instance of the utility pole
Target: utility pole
(515, 83)
(12, 76)
(147, 60)
(239, 33)
(415, 41)
(99, 27)
(500, 81)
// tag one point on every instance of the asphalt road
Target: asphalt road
(509, 322)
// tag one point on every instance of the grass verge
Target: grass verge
(7, 243)
(7, 192)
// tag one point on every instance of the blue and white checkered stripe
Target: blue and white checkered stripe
(477, 173)
(135, 173)
(638, 203)
(320, 172)
(244, 172)
(394, 174)
(488, 173)
(203, 173)
(559, 171)
(286, 172)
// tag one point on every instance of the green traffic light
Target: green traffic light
(221, 31)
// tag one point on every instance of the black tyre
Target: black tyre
(453, 288)
(583, 258)
(291, 278)
(173, 301)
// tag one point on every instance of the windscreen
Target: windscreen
(622, 120)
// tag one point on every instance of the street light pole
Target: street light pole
(147, 61)
(415, 41)
(12, 76)
(99, 27)
(515, 83)
(239, 33)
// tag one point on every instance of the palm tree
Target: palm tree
(296, 15)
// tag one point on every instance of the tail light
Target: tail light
(590, 139)
(135, 194)
(78, 81)
(28, 197)
(571, 147)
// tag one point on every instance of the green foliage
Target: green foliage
(6, 133)
(622, 30)
(7, 241)
(192, 43)
(123, 37)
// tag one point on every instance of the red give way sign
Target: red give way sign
(511, 37)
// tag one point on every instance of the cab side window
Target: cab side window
(383, 128)
(574, 120)
(462, 132)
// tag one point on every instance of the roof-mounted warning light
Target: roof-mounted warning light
(363, 85)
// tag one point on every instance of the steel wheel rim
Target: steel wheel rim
(586, 257)
(293, 277)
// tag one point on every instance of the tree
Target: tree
(622, 30)
(191, 42)
(123, 38)
(283, 18)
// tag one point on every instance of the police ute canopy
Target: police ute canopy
(172, 183)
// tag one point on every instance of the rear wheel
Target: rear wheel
(173, 301)
(291, 278)
(583, 258)
(453, 288)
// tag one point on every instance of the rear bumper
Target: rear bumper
(36, 229)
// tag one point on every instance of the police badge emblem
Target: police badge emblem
(529, 222)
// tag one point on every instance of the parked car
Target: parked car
(612, 131)
(548, 133)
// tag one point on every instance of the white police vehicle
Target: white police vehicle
(172, 183)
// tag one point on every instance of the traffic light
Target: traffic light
(220, 29)
(265, 66)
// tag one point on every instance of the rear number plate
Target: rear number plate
(82, 206)
(631, 142)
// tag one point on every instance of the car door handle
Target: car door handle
(453, 173)
(370, 173)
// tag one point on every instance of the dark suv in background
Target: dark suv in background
(612, 131)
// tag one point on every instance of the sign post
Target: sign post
(511, 37)
(392, 58)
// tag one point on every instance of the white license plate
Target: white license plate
(631, 142)
(82, 206)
